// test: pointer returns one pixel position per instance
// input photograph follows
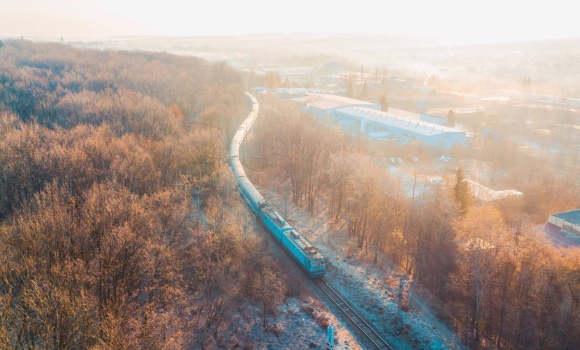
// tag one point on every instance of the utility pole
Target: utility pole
(197, 191)
(185, 188)
(285, 203)
(402, 283)
(413, 198)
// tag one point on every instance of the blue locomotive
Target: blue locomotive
(301, 250)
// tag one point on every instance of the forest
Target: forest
(477, 263)
(119, 227)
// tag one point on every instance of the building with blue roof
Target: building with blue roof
(387, 126)
(568, 221)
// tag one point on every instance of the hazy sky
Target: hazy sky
(456, 20)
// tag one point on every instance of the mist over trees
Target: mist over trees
(120, 227)
(118, 224)
(498, 287)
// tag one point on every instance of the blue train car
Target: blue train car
(306, 255)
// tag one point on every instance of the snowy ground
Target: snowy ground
(298, 324)
(301, 322)
(373, 287)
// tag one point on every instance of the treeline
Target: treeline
(496, 285)
(119, 223)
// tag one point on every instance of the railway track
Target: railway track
(358, 321)
(278, 228)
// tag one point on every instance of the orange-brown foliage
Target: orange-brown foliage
(119, 228)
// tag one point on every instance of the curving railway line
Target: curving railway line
(306, 255)
(354, 317)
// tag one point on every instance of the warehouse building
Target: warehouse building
(434, 119)
(324, 105)
(387, 126)
(426, 117)
(568, 221)
(486, 194)
(562, 229)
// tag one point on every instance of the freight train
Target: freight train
(295, 244)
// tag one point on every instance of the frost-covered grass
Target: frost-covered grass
(355, 275)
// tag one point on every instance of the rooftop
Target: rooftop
(469, 110)
(395, 121)
(289, 70)
(329, 101)
(529, 95)
(558, 237)
(572, 216)
(404, 114)
(486, 194)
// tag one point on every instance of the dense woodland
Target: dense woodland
(498, 287)
(119, 227)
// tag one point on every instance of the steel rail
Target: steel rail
(358, 321)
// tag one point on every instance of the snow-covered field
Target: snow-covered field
(298, 324)
(372, 288)
(301, 322)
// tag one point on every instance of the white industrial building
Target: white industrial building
(387, 126)
(324, 105)
(486, 194)
(426, 117)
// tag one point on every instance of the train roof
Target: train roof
(238, 168)
(294, 236)
(277, 218)
(251, 190)
(304, 245)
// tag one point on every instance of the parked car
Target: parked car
(435, 180)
